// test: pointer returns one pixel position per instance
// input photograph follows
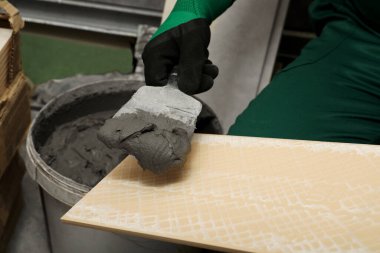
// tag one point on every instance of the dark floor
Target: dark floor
(30, 233)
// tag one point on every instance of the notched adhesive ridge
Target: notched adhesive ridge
(155, 148)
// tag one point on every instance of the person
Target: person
(331, 92)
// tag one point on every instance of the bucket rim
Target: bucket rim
(38, 168)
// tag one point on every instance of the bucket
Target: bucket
(59, 192)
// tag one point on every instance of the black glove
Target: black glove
(186, 46)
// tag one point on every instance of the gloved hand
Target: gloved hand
(185, 46)
(183, 40)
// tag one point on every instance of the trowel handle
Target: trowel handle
(173, 78)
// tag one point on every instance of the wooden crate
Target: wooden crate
(14, 119)
(10, 190)
(14, 95)
(10, 63)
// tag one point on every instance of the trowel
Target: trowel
(155, 125)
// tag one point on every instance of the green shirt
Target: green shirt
(363, 12)
(369, 11)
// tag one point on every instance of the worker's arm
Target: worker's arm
(183, 40)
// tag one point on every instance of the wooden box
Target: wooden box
(14, 119)
(14, 93)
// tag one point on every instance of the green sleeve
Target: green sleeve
(186, 10)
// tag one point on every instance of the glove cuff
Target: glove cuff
(187, 10)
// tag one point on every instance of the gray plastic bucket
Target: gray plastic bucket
(59, 193)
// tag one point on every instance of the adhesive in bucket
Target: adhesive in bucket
(74, 150)
(65, 132)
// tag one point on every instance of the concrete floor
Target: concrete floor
(30, 233)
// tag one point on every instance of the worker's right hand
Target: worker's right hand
(186, 46)
(183, 40)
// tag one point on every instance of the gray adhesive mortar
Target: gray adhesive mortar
(63, 136)
(65, 131)
(74, 150)
(156, 149)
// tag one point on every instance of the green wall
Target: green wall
(46, 57)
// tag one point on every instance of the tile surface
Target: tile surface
(247, 194)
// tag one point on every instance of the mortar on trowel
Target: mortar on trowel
(155, 126)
